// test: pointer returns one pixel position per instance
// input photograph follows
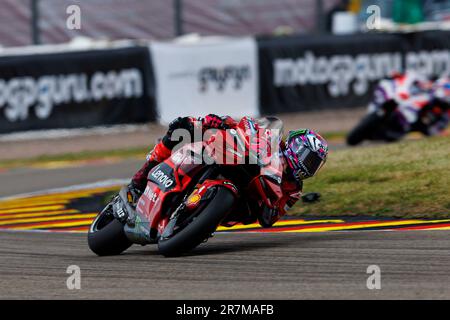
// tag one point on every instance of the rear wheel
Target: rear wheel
(106, 236)
(201, 226)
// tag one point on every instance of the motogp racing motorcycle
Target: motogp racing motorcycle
(403, 104)
(219, 181)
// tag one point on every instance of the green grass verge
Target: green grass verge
(406, 179)
(334, 135)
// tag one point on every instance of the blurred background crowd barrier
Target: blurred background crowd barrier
(152, 19)
(230, 57)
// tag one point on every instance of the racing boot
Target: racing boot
(139, 181)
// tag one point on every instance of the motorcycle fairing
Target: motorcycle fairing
(167, 179)
(170, 177)
(174, 176)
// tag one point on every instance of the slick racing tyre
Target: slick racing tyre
(201, 227)
(106, 236)
(364, 130)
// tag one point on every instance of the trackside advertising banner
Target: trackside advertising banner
(325, 72)
(210, 76)
(76, 89)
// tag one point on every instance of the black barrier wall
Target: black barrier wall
(76, 89)
(301, 73)
(296, 73)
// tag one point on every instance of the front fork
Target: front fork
(136, 230)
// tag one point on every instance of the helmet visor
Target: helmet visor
(309, 162)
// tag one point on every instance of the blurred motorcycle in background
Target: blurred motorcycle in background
(402, 104)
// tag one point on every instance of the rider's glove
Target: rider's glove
(186, 123)
(212, 121)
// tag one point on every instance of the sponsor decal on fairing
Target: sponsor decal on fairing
(161, 178)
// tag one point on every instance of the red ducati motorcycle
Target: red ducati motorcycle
(220, 181)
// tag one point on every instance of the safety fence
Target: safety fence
(59, 87)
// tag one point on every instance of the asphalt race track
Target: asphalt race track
(235, 265)
(332, 265)
(24, 180)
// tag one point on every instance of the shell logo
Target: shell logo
(193, 199)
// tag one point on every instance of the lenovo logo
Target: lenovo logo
(161, 178)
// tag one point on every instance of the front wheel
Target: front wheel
(201, 227)
(106, 236)
(365, 129)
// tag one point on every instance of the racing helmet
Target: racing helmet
(305, 152)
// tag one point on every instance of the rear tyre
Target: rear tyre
(364, 129)
(201, 227)
(106, 236)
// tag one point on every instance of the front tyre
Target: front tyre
(106, 236)
(201, 227)
(365, 129)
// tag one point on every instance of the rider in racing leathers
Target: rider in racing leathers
(422, 105)
(303, 154)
